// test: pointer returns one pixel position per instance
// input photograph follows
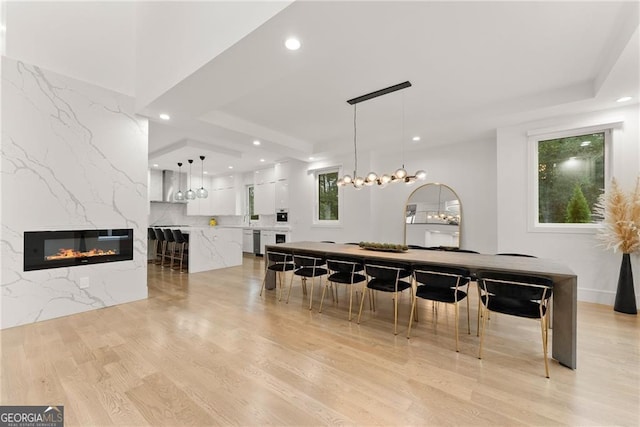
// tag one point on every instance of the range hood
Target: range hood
(170, 186)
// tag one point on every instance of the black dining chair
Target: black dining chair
(345, 272)
(441, 284)
(307, 267)
(386, 278)
(520, 295)
(279, 264)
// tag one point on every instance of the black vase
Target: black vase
(625, 295)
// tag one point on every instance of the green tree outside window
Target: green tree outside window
(328, 196)
(565, 164)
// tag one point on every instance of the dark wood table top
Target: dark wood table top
(473, 262)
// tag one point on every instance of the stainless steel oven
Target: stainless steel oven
(282, 216)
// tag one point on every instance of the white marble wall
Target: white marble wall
(162, 213)
(74, 156)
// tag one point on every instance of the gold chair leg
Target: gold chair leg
(395, 314)
(290, 285)
(311, 295)
(484, 321)
(411, 315)
(281, 280)
(543, 327)
(350, 299)
(468, 319)
(263, 282)
(364, 289)
(322, 297)
(457, 318)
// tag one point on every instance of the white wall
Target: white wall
(167, 53)
(596, 268)
(74, 156)
(377, 214)
(356, 219)
(91, 41)
(469, 169)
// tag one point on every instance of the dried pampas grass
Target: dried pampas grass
(621, 213)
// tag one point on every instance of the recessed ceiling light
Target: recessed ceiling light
(230, 167)
(205, 172)
(256, 142)
(624, 99)
(165, 116)
(292, 43)
(262, 160)
(415, 138)
(155, 165)
(311, 158)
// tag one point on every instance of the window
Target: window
(251, 204)
(570, 176)
(327, 196)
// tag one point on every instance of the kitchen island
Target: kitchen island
(211, 248)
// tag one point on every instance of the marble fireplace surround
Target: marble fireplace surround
(80, 154)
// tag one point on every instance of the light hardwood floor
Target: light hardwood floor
(205, 349)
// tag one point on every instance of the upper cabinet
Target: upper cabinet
(282, 195)
(227, 193)
(281, 171)
(222, 199)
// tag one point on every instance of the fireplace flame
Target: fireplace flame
(71, 253)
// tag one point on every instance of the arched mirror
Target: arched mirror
(433, 217)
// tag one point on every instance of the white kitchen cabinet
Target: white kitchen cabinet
(267, 237)
(264, 198)
(281, 171)
(198, 207)
(282, 195)
(155, 185)
(263, 176)
(247, 241)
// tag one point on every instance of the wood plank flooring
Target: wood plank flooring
(206, 349)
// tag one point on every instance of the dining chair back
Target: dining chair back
(441, 284)
(386, 278)
(277, 263)
(345, 272)
(518, 295)
(307, 267)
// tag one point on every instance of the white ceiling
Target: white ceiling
(474, 66)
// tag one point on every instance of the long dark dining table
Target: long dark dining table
(565, 281)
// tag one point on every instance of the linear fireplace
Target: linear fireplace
(67, 248)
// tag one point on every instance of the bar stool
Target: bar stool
(161, 246)
(181, 249)
(153, 243)
(170, 246)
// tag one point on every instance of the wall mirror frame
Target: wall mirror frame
(433, 217)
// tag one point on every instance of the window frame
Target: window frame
(317, 222)
(534, 137)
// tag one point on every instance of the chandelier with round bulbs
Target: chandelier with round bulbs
(400, 175)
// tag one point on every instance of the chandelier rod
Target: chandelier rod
(355, 147)
(379, 92)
